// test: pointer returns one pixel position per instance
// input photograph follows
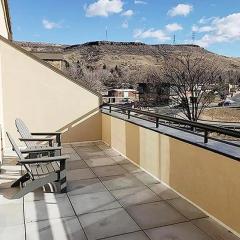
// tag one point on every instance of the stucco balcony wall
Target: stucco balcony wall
(208, 179)
(45, 98)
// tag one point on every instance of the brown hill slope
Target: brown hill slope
(122, 62)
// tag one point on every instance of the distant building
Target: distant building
(55, 59)
(121, 96)
(154, 94)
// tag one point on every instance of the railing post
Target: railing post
(157, 122)
(205, 136)
(110, 109)
(129, 114)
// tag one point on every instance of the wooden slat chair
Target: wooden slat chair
(40, 172)
(32, 141)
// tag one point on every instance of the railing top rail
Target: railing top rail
(192, 124)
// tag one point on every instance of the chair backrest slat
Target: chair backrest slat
(24, 132)
(18, 152)
(15, 147)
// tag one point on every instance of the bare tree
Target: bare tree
(153, 91)
(192, 80)
(93, 78)
(233, 77)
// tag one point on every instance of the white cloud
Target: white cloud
(203, 29)
(180, 10)
(140, 2)
(205, 20)
(50, 25)
(104, 8)
(195, 28)
(128, 13)
(157, 34)
(173, 27)
(219, 30)
(125, 24)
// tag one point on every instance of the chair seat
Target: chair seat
(42, 170)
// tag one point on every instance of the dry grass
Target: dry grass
(222, 114)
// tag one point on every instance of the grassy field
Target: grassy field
(224, 114)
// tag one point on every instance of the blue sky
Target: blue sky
(215, 23)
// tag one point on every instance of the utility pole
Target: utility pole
(193, 37)
(106, 33)
(174, 39)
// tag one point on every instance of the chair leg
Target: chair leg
(35, 184)
(21, 180)
(62, 180)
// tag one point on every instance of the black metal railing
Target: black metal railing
(197, 128)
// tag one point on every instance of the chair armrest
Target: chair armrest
(57, 134)
(35, 139)
(46, 134)
(49, 140)
(45, 159)
(40, 149)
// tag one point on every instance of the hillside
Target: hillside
(119, 61)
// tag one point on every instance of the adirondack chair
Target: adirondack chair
(32, 141)
(39, 172)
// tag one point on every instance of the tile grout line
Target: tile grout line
(201, 230)
(72, 204)
(140, 229)
(189, 220)
(165, 200)
(160, 199)
(148, 187)
(24, 220)
(118, 235)
(114, 196)
(77, 217)
(120, 205)
(168, 225)
(123, 188)
(69, 197)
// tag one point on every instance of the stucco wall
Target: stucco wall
(1, 147)
(3, 32)
(4, 28)
(1, 113)
(45, 99)
(207, 179)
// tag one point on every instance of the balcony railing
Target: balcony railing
(199, 129)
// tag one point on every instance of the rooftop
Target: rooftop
(108, 198)
(131, 174)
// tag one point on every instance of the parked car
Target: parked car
(226, 102)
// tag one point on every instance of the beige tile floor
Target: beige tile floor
(108, 198)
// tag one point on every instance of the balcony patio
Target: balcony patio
(108, 197)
